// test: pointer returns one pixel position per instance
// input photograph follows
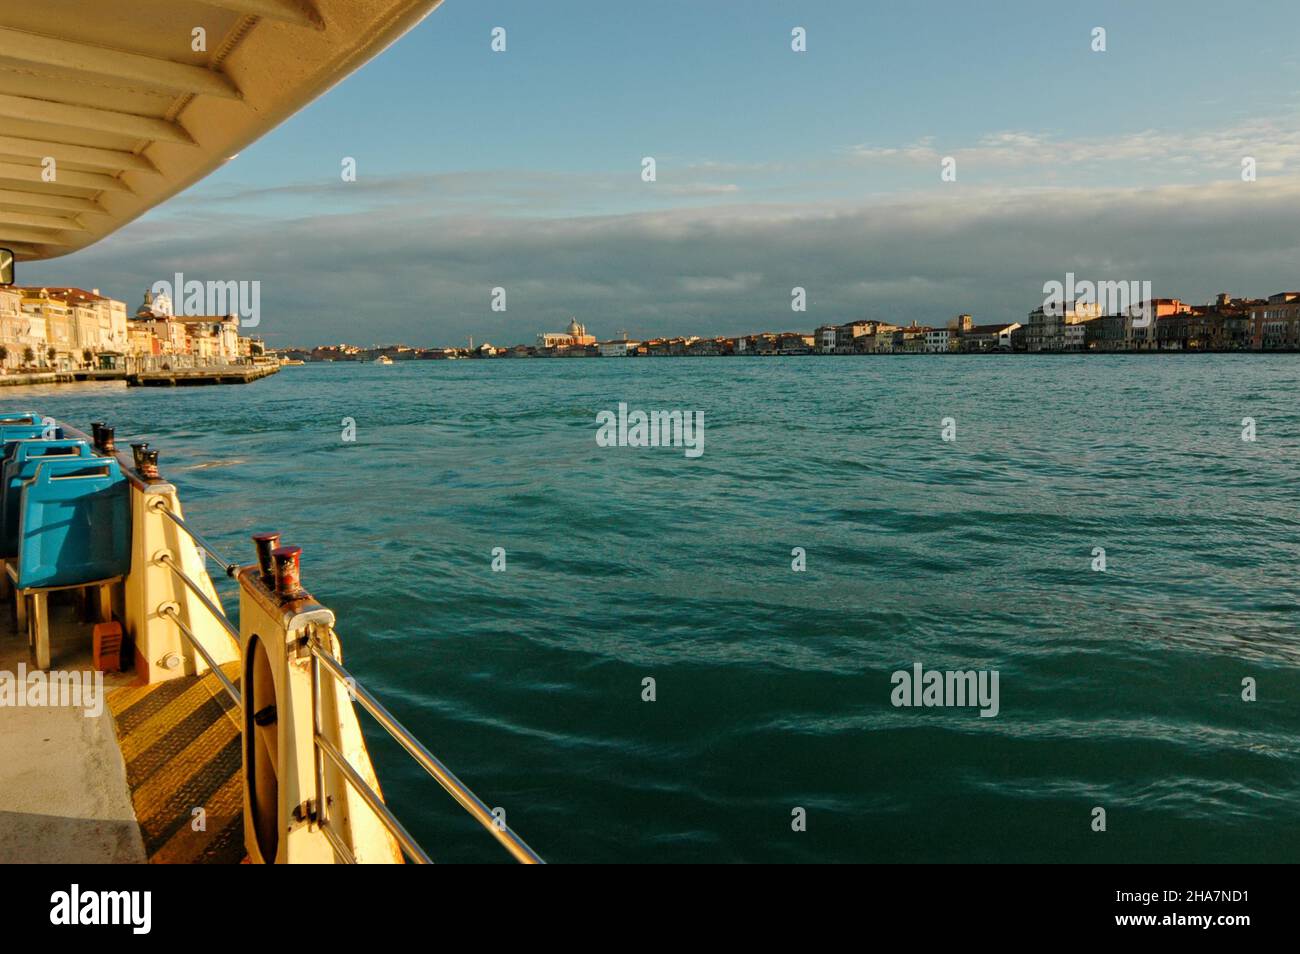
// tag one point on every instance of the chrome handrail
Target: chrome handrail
(409, 845)
(169, 610)
(428, 761)
(159, 504)
(166, 560)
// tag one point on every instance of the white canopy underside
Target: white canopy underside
(131, 114)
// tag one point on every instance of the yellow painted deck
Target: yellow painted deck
(180, 741)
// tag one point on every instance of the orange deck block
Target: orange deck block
(108, 647)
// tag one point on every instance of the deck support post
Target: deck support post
(40, 627)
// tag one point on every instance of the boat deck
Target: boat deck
(180, 740)
(63, 790)
(121, 786)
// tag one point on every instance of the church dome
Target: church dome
(574, 328)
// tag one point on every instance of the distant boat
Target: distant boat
(383, 359)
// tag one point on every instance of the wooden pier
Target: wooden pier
(179, 377)
(190, 377)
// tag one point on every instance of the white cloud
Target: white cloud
(1274, 143)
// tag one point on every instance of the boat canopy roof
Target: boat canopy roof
(108, 109)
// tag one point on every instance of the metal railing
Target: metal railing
(159, 504)
(169, 610)
(322, 659)
(324, 748)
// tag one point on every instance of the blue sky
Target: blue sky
(774, 168)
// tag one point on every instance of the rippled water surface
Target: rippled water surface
(1119, 689)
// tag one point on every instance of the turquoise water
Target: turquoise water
(1119, 689)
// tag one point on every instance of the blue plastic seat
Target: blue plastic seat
(17, 468)
(74, 523)
(26, 417)
(24, 432)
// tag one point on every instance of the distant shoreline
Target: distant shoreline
(813, 354)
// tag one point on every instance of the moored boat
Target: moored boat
(188, 738)
(109, 588)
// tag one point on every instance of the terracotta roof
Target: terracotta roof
(64, 294)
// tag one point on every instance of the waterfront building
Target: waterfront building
(710, 346)
(938, 341)
(1074, 335)
(338, 352)
(1276, 323)
(992, 337)
(1232, 325)
(872, 343)
(13, 328)
(877, 339)
(155, 318)
(1106, 333)
(169, 335)
(575, 335)
(74, 322)
(1191, 330)
(397, 352)
(49, 327)
(794, 342)
(1226, 324)
(210, 337)
(824, 339)
(1046, 328)
(847, 335)
(140, 339)
(1145, 338)
(98, 325)
(155, 330)
(618, 349)
(910, 340)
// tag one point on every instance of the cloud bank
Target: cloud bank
(402, 265)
